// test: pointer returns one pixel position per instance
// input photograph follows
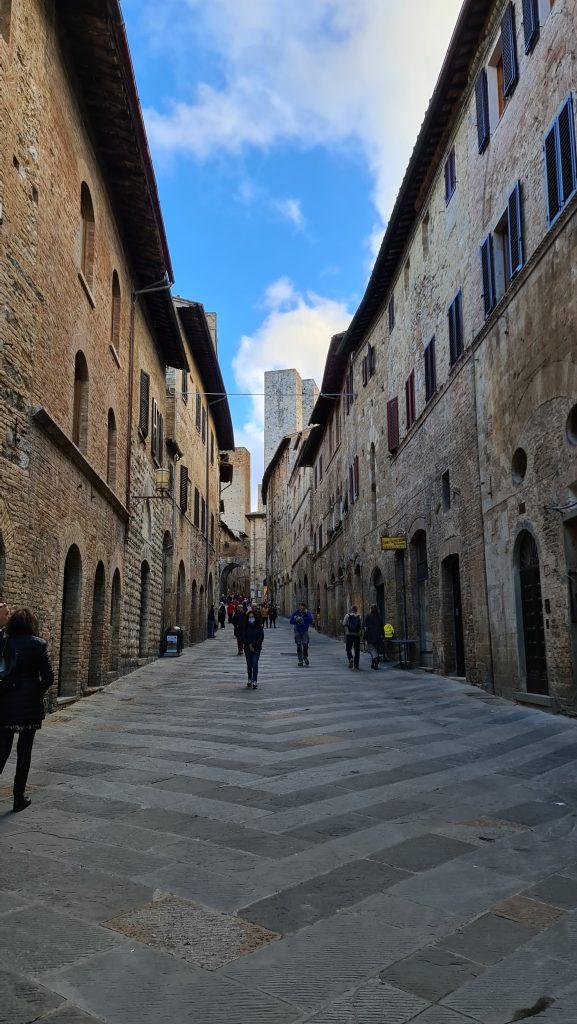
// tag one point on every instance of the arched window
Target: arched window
(71, 625)
(115, 312)
(80, 408)
(87, 245)
(180, 596)
(111, 451)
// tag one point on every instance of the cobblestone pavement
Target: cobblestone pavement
(336, 847)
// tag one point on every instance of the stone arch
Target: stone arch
(97, 632)
(80, 402)
(115, 609)
(202, 615)
(144, 616)
(70, 625)
(529, 603)
(181, 597)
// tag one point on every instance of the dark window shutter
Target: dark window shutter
(183, 488)
(196, 507)
(515, 223)
(552, 174)
(356, 476)
(351, 484)
(530, 23)
(365, 371)
(391, 313)
(410, 399)
(567, 151)
(488, 273)
(509, 48)
(393, 424)
(456, 328)
(430, 370)
(482, 99)
(452, 339)
(160, 439)
(144, 403)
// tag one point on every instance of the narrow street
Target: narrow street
(336, 847)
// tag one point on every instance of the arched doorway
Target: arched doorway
(70, 625)
(193, 612)
(209, 593)
(419, 577)
(181, 597)
(166, 580)
(202, 615)
(143, 628)
(378, 595)
(115, 622)
(96, 660)
(533, 632)
(453, 617)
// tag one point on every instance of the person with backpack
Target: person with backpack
(353, 625)
(302, 620)
(25, 677)
(238, 624)
(374, 635)
(253, 637)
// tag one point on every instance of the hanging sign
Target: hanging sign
(393, 543)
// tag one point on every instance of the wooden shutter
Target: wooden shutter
(393, 424)
(203, 517)
(356, 476)
(160, 439)
(456, 328)
(371, 360)
(351, 484)
(365, 371)
(430, 370)
(552, 174)
(391, 313)
(410, 399)
(183, 488)
(566, 136)
(196, 507)
(530, 23)
(509, 49)
(154, 434)
(144, 403)
(515, 225)
(488, 274)
(482, 100)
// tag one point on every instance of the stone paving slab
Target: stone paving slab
(23, 1001)
(35, 939)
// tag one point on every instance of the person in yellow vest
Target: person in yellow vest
(389, 634)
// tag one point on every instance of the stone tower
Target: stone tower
(288, 404)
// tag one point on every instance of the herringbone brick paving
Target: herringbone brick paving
(335, 847)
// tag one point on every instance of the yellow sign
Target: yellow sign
(393, 543)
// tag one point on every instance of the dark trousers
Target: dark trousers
(354, 644)
(221, 621)
(273, 623)
(23, 757)
(265, 621)
(302, 652)
(252, 664)
(239, 644)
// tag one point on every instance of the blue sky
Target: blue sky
(280, 131)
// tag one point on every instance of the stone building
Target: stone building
(288, 404)
(235, 527)
(88, 330)
(257, 537)
(456, 427)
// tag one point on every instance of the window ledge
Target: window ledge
(87, 289)
(50, 427)
(115, 355)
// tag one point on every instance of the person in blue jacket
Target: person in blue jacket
(302, 620)
(253, 639)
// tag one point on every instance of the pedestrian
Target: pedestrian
(25, 677)
(374, 635)
(302, 619)
(273, 615)
(264, 615)
(353, 625)
(253, 637)
(211, 623)
(231, 608)
(221, 614)
(238, 624)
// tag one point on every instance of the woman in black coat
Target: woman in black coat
(27, 676)
(374, 635)
(253, 636)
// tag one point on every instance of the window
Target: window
(488, 275)
(183, 502)
(115, 312)
(212, 448)
(198, 415)
(365, 371)
(425, 227)
(356, 477)
(446, 489)
(212, 528)
(320, 467)
(560, 162)
(154, 431)
(203, 430)
(87, 240)
(111, 450)
(450, 176)
(196, 519)
(5, 17)
(509, 51)
(371, 361)
(502, 253)
(410, 399)
(184, 386)
(430, 370)
(80, 403)
(407, 276)
(144, 403)
(349, 388)
(160, 456)
(391, 313)
(530, 23)
(456, 328)
(482, 103)
(203, 517)
(393, 424)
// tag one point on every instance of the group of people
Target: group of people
(25, 676)
(372, 630)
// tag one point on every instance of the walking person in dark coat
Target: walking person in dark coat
(353, 626)
(253, 640)
(302, 620)
(238, 623)
(27, 676)
(211, 623)
(222, 614)
(374, 635)
(273, 615)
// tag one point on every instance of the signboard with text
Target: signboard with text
(393, 543)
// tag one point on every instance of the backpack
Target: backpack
(354, 623)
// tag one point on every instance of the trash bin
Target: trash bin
(173, 642)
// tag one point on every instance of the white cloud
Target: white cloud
(339, 73)
(296, 331)
(290, 210)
